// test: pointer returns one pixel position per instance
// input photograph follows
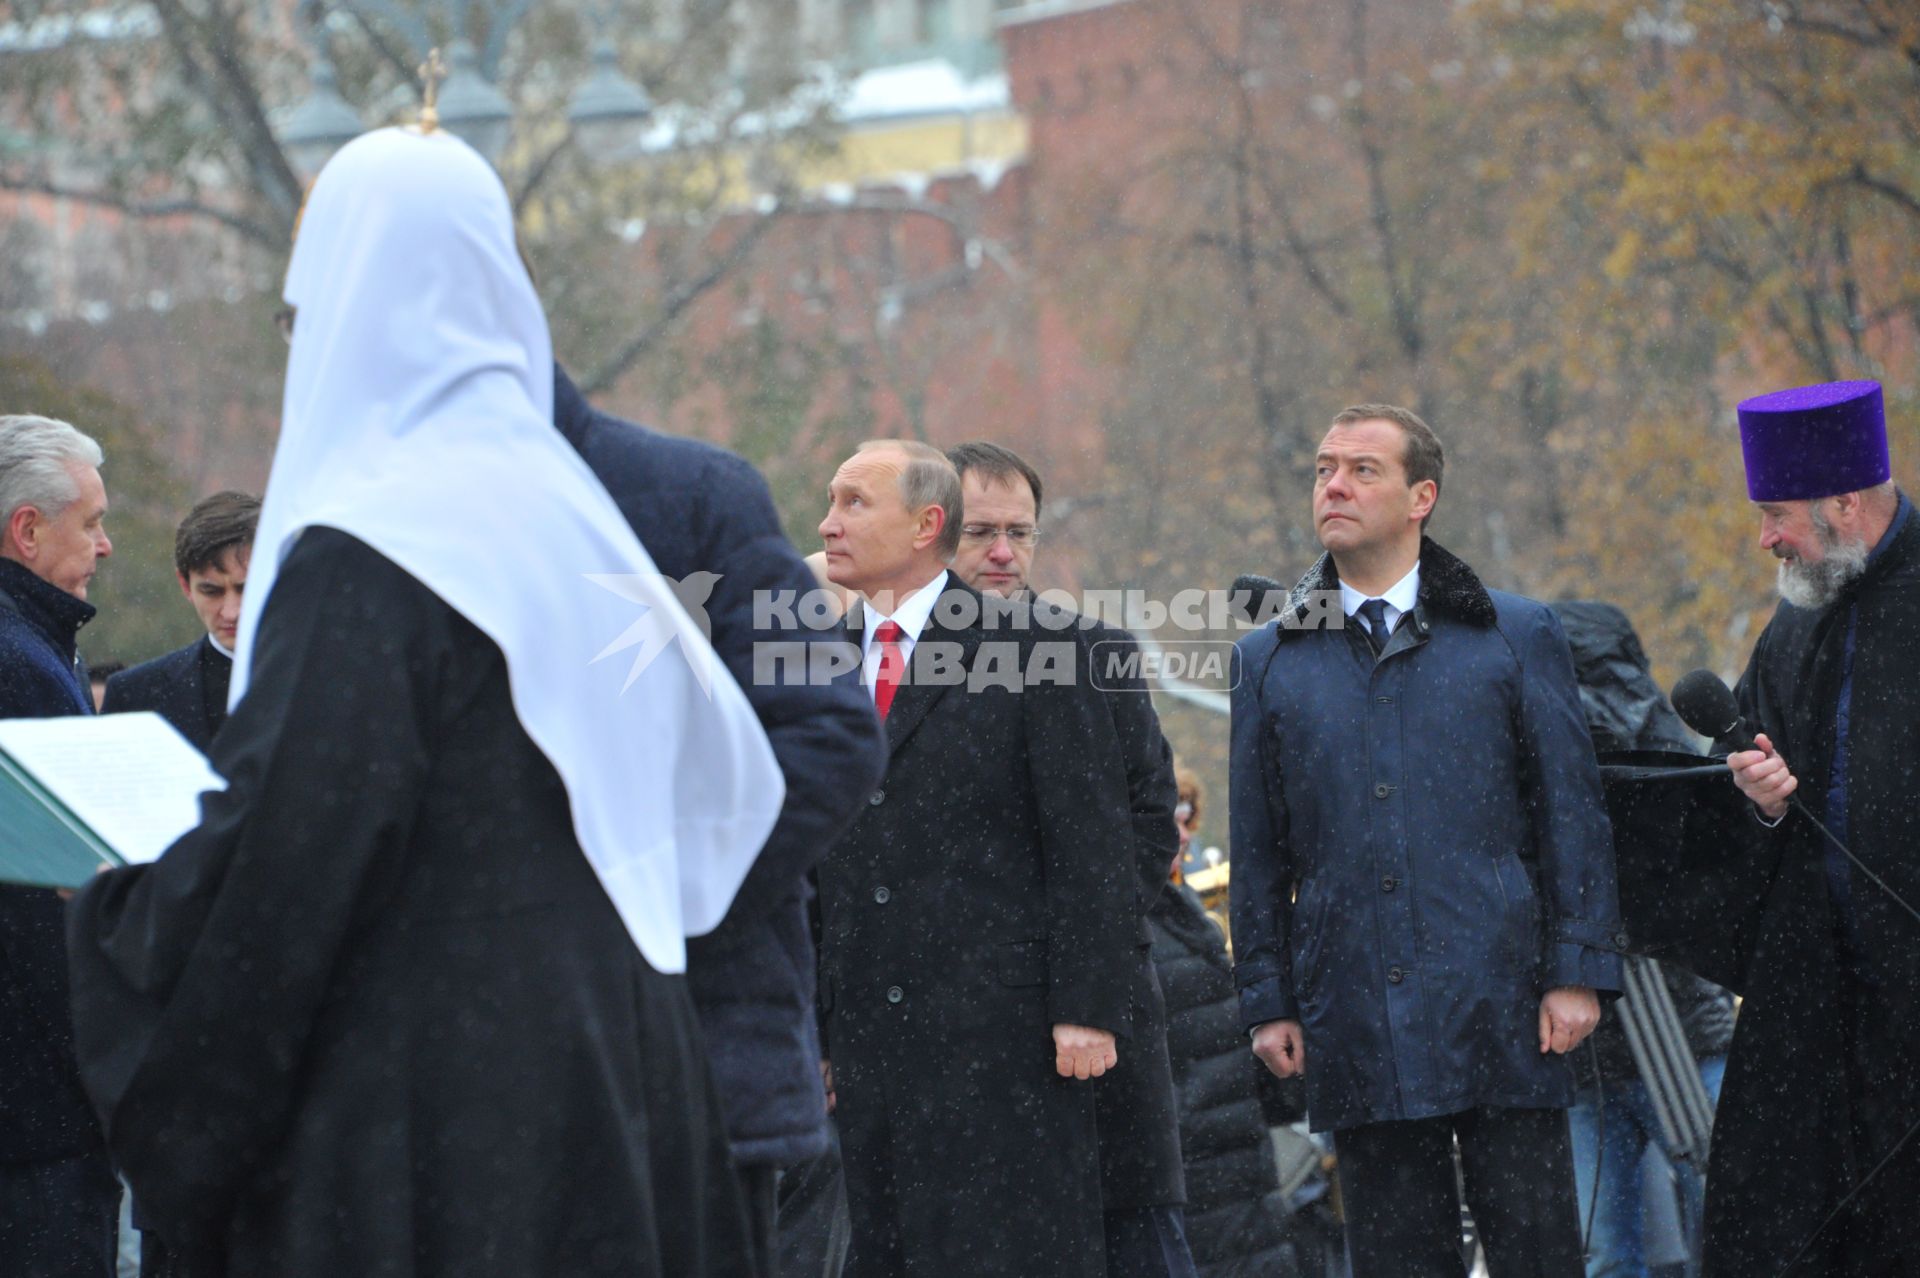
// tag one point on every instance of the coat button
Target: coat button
(877, 798)
(1387, 883)
(895, 993)
(1395, 975)
(882, 896)
(1620, 939)
(1382, 790)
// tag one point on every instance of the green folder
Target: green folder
(42, 843)
(86, 791)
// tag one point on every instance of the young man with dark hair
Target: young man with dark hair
(189, 687)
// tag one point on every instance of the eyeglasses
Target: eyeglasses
(283, 321)
(1019, 536)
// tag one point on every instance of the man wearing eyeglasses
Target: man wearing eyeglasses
(1143, 1188)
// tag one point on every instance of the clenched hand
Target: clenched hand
(1081, 1052)
(1282, 1048)
(1568, 1014)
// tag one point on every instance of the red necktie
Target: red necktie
(892, 665)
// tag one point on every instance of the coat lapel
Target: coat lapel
(915, 698)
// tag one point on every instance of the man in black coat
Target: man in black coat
(978, 920)
(1828, 958)
(59, 1202)
(1141, 1181)
(188, 688)
(705, 515)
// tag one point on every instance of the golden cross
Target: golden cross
(432, 72)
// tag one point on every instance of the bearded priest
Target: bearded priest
(1816, 1160)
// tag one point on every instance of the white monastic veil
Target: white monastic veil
(418, 418)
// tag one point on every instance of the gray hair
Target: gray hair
(37, 455)
(928, 479)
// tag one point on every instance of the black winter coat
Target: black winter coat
(1236, 1215)
(1134, 1104)
(186, 687)
(984, 895)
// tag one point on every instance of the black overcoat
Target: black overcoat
(1135, 1104)
(1782, 1157)
(985, 895)
(174, 686)
(376, 1016)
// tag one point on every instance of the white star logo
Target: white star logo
(656, 628)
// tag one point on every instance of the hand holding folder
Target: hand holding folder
(79, 793)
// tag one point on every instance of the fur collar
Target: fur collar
(1448, 588)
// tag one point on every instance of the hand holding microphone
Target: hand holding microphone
(1706, 705)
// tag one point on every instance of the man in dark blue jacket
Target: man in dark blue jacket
(1424, 908)
(59, 1201)
(188, 688)
(703, 513)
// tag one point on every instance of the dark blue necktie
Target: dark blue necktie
(1374, 613)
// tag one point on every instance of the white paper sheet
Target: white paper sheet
(133, 779)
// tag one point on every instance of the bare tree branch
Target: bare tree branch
(677, 304)
(265, 236)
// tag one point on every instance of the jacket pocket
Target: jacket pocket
(1023, 963)
(1520, 913)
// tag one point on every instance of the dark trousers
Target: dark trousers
(1403, 1206)
(59, 1219)
(1148, 1242)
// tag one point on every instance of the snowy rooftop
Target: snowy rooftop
(917, 89)
(53, 30)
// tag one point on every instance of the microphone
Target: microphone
(1705, 703)
(1258, 590)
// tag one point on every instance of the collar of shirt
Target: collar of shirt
(911, 614)
(1400, 598)
(220, 648)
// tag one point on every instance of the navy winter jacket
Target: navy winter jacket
(1420, 847)
(700, 509)
(43, 1113)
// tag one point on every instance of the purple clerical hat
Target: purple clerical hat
(1815, 441)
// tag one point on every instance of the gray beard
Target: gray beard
(1815, 586)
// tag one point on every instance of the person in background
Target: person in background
(1236, 1213)
(188, 688)
(59, 1201)
(97, 676)
(1141, 1181)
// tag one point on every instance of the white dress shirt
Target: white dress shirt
(1399, 599)
(910, 615)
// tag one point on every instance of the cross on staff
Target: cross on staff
(432, 72)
